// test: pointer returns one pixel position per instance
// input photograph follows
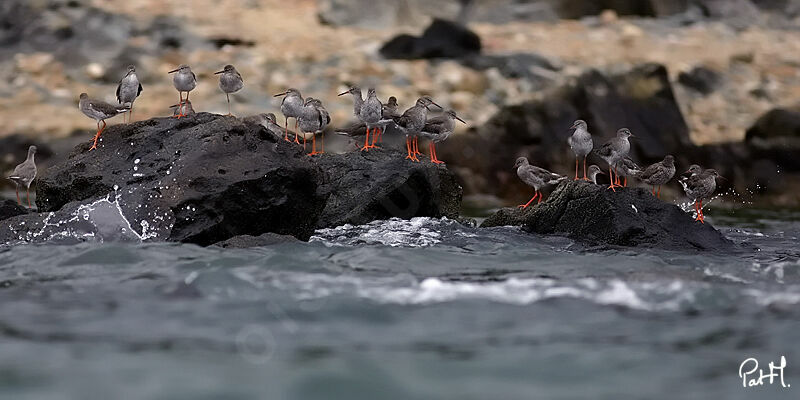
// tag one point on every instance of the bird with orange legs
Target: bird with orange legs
(659, 174)
(24, 174)
(411, 124)
(313, 121)
(536, 177)
(438, 129)
(581, 144)
(613, 152)
(700, 187)
(185, 81)
(291, 107)
(100, 111)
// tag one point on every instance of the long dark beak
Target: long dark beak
(219, 72)
(434, 103)
(342, 94)
(281, 94)
(462, 121)
(174, 70)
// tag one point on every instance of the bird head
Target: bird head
(579, 124)
(371, 92)
(289, 92)
(32, 150)
(520, 162)
(392, 101)
(669, 159)
(84, 96)
(270, 117)
(693, 169)
(227, 68)
(131, 69)
(594, 169)
(452, 114)
(624, 133)
(181, 68)
(426, 102)
(352, 90)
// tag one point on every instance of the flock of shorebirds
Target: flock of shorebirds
(311, 118)
(697, 183)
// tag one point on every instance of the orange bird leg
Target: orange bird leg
(659, 191)
(322, 136)
(18, 201)
(540, 198)
(436, 156)
(408, 148)
(415, 149)
(576, 169)
(97, 136)
(375, 134)
(529, 201)
(180, 106)
(416, 146)
(584, 170)
(611, 177)
(654, 190)
(295, 134)
(626, 181)
(286, 128)
(313, 145)
(366, 141)
(430, 150)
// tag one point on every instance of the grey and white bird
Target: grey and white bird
(24, 174)
(230, 81)
(581, 144)
(627, 167)
(537, 177)
(185, 81)
(368, 112)
(267, 120)
(291, 107)
(659, 174)
(129, 89)
(613, 152)
(412, 122)
(186, 108)
(313, 121)
(99, 111)
(594, 170)
(700, 187)
(438, 129)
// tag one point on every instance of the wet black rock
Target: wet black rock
(700, 79)
(507, 217)
(628, 217)
(200, 179)
(381, 184)
(247, 241)
(442, 39)
(10, 208)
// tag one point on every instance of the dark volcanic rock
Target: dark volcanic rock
(775, 123)
(200, 179)
(507, 217)
(247, 241)
(381, 184)
(629, 217)
(700, 79)
(10, 208)
(442, 39)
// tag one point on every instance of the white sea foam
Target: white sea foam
(396, 232)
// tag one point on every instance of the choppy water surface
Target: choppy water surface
(421, 309)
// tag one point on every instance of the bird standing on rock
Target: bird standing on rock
(291, 107)
(129, 89)
(267, 120)
(313, 121)
(700, 187)
(411, 124)
(627, 167)
(438, 129)
(536, 177)
(613, 152)
(185, 109)
(185, 81)
(659, 174)
(581, 144)
(230, 81)
(99, 111)
(24, 174)
(388, 115)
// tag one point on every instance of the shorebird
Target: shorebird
(99, 111)
(185, 81)
(313, 121)
(267, 120)
(627, 167)
(693, 170)
(230, 81)
(438, 129)
(581, 144)
(291, 107)
(129, 89)
(593, 171)
(613, 152)
(368, 112)
(536, 177)
(388, 115)
(699, 187)
(659, 174)
(412, 122)
(185, 109)
(24, 174)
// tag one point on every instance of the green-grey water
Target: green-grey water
(420, 309)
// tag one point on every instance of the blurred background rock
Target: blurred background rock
(714, 82)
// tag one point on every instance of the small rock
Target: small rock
(701, 79)
(95, 70)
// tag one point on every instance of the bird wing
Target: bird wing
(324, 117)
(649, 172)
(105, 108)
(605, 150)
(119, 87)
(544, 174)
(435, 125)
(194, 76)
(137, 93)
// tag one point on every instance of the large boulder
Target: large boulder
(200, 179)
(382, 184)
(628, 217)
(776, 123)
(442, 39)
